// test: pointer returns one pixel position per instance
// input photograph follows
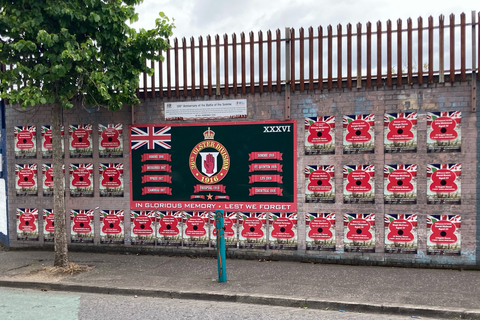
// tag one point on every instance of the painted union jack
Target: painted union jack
(455, 219)
(411, 168)
(204, 215)
(310, 120)
(31, 129)
(368, 168)
(274, 215)
(310, 169)
(370, 217)
(117, 166)
(411, 116)
(150, 137)
(134, 214)
(151, 214)
(310, 216)
(329, 216)
(33, 211)
(86, 127)
(412, 218)
(177, 214)
(32, 167)
(328, 119)
(454, 167)
(87, 166)
(261, 216)
(47, 128)
(104, 213)
(455, 115)
(118, 127)
(188, 214)
(75, 212)
(47, 166)
(369, 118)
(293, 217)
(330, 169)
(347, 217)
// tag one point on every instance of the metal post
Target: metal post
(222, 267)
(474, 61)
(287, 73)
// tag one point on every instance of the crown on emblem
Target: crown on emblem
(209, 134)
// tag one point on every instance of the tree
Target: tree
(71, 53)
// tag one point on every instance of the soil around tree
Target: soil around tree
(51, 273)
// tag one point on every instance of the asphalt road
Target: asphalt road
(18, 304)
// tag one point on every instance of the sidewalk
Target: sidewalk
(410, 291)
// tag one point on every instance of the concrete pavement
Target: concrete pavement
(437, 293)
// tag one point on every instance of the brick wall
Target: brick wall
(271, 106)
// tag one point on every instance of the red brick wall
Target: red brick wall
(439, 97)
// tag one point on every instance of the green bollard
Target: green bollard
(220, 225)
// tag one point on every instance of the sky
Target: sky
(194, 18)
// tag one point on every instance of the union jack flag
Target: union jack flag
(47, 166)
(47, 212)
(327, 168)
(151, 214)
(33, 211)
(75, 212)
(261, 216)
(32, 167)
(177, 214)
(455, 219)
(326, 215)
(389, 117)
(328, 119)
(104, 213)
(150, 137)
(368, 168)
(454, 167)
(369, 118)
(47, 128)
(204, 215)
(86, 127)
(412, 218)
(310, 169)
(118, 166)
(291, 216)
(31, 129)
(118, 127)
(76, 166)
(370, 217)
(455, 115)
(389, 168)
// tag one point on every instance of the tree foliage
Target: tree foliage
(75, 51)
(62, 53)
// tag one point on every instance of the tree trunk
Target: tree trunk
(61, 247)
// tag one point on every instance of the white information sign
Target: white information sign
(3, 208)
(216, 109)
